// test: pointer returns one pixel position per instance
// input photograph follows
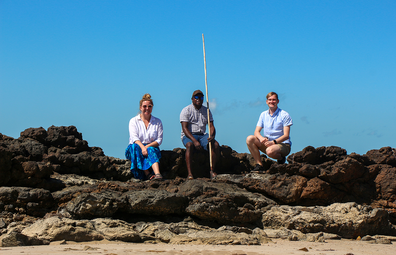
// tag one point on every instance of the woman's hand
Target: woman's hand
(144, 151)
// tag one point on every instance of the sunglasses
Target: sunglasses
(198, 97)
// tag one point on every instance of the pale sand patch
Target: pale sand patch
(277, 247)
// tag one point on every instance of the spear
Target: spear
(207, 102)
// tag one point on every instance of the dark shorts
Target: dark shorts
(285, 148)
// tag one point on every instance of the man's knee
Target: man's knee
(250, 139)
(273, 151)
(217, 145)
(189, 146)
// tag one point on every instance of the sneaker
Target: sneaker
(258, 168)
(282, 160)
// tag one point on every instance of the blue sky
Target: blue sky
(88, 63)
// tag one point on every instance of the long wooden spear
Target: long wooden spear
(207, 103)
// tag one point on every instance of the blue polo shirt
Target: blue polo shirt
(273, 125)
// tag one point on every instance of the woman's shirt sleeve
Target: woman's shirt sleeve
(133, 131)
(160, 132)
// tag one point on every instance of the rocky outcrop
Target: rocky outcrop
(55, 187)
(31, 159)
(348, 220)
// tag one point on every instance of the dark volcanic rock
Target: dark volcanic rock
(343, 171)
(317, 156)
(320, 192)
(155, 202)
(35, 202)
(223, 203)
(385, 155)
(386, 184)
(38, 134)
(55, 187)
(94, 204)
(281, 187)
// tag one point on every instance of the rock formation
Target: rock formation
(53, 187)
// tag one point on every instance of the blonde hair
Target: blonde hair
(146, 97)
(271, 94)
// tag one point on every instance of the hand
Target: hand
(211, 139)
(269, 143)
(144, 151)
(197, 145)
(263, 140)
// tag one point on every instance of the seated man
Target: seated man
(193, 119)
(276, 140)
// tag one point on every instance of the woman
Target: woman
(275, 124)
(145, 137)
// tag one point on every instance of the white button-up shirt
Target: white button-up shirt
(138, 131)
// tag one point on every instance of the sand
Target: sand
(278, 246)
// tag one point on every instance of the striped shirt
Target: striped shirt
(197, 119)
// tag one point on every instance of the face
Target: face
(197, 100)
(146, 108)
(272, 102)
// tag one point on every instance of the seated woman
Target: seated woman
(145, 137)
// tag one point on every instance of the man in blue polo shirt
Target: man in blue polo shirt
(275, 124)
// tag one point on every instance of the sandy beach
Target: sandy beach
(277, 247)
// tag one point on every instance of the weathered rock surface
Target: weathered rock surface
(348, 220)
(54, 187)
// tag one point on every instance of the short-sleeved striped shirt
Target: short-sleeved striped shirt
(197, 119)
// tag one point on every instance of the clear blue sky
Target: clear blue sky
(88, 63)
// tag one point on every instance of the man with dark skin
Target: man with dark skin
(193, 119)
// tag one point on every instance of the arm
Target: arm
(158, 140)
(284, 137)
(152, 144)
(258, 135)
(142, 147)
(160, 134)
(133, 131)
(135, 138)
(189, 135)
(212, 132)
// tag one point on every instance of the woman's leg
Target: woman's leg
(155, 167)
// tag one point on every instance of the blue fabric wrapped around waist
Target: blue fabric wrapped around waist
(139, 162)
